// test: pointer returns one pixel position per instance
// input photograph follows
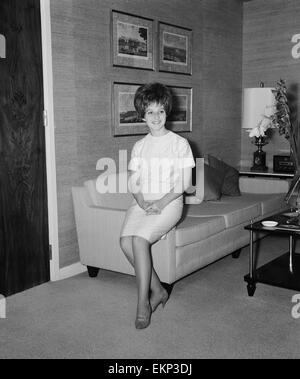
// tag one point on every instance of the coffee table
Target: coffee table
(283, 271)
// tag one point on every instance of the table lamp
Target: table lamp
(258, 106)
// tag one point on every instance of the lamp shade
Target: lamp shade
(257, 103)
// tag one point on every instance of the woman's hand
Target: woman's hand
(144, 204)
(154, 208)
(141, 201)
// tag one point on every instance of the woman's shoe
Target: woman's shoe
(143, 321)
(162, 300)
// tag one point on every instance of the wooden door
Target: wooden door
(24, 246)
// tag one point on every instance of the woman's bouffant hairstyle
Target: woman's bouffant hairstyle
(152, 93)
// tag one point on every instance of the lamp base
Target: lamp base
(259, 161)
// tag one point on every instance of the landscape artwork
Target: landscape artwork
(132, 41)
(180, 109)
(128, 114)
(180, 118)
(175, 47)
(126, 120)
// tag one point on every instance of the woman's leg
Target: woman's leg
(158, 293)
(143, 271)
(126, 246)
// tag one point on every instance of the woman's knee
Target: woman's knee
(139, 242)
(126, 244)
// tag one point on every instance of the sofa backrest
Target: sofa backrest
(117, 198)
(263, 185)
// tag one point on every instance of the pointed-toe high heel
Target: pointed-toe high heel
(143, 321)
(163, 300)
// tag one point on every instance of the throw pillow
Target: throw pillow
(230, 185)
(213, 181)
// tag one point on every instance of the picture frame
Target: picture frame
(132, 41)
(175, 49)
(125, 120)
(180, 119)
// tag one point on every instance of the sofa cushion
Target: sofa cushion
(269, 203)
(109, 200)
(193, 229)
(235, 210)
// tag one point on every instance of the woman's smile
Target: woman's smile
(155, 117)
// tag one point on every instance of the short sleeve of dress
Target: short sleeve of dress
(135, 160)
(185, 154)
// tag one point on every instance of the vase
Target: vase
(259, 156)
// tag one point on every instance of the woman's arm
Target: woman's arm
(134, 188)
(141, 201)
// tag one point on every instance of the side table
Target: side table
(281, 272)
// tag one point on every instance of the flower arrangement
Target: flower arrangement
(261, 138)
(260, 130)
(282, 120)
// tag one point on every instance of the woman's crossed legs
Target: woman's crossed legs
(137, 251)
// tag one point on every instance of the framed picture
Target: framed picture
(127, 122)
(180, 119)
(175, 49)
(125, 118)
(132, 41)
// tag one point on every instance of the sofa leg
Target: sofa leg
(236, 254)
(251, 287)
(93, 271)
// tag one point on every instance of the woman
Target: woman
(161, 165)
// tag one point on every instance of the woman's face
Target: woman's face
(155, 117)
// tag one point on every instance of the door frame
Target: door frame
(50, 138)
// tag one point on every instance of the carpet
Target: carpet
(209, 315)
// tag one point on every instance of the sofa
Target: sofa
(208, 230)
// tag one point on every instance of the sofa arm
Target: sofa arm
(98, 232)
(192, 200)
(263, 185)
(198, 190)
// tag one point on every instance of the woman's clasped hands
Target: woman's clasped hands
(151, 207)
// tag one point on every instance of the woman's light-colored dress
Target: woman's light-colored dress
(157, 163)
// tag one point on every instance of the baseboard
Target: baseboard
(72, 270)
